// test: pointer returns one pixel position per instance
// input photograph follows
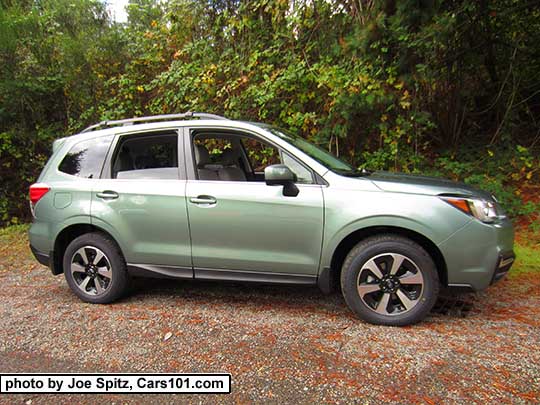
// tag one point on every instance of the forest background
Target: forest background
(445, 88)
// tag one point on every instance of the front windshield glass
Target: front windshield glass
(320, 155)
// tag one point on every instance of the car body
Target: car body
(187, 199)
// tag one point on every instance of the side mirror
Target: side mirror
(281, 175)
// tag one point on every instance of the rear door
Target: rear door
(140, 199)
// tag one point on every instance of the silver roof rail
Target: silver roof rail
(169, 117)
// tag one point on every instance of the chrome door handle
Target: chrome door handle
(107, 195)
(203, 199)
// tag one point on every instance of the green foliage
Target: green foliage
(527, 260)
(498, 171)
(13, 232)
(448, 88)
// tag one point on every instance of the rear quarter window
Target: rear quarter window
(85, 159)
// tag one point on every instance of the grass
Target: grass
(13, 231)
(9, 233)
(527, 259)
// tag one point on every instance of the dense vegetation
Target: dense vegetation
(440, 87)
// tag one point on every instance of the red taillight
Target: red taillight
(37, 191)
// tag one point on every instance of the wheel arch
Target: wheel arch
(64, 238)
(353, 238)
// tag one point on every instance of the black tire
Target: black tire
(113, 264)
(383, 250)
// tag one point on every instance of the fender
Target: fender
(74, 220)
(330, 245)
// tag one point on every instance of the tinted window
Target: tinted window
(85, 159)
(146, 157)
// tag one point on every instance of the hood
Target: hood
(414, 184)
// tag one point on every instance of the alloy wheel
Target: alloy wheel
(390, 284)
(91, 270)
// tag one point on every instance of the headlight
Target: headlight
(483, 210)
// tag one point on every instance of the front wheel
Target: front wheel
(389, 280)
(95, 269)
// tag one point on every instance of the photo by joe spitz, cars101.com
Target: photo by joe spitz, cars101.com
(188, 196)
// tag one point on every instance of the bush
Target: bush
(503, 171)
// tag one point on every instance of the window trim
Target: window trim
(106, 172)
(191, 167)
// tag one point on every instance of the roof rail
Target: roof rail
(131, 121)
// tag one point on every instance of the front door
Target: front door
(240, 227)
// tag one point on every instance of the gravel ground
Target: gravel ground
(281, 344)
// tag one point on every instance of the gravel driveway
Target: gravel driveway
(281, 344)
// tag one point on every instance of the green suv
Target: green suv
(198, 196)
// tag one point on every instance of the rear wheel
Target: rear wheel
(389, 280)
(95, 269)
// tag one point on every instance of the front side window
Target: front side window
(233, 157)
(260, 154)
(302, 173)
(152, 156)
(85, 159)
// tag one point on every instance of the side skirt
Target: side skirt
(254, 276)
(156, 271)
(160, 271)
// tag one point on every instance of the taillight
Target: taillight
(37, 191)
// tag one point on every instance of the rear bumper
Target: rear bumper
(41, 257)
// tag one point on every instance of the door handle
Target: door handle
(203, 200)
(107, 195)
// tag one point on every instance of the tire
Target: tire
(99, 282)
(383, 294)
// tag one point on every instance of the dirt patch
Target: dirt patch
(281, 344)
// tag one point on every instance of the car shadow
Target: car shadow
(264, 295)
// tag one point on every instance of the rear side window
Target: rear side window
(146, 157)
(85, 159)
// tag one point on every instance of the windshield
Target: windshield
(320, 155)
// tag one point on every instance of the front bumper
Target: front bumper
(503, 266)
(478, 254)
